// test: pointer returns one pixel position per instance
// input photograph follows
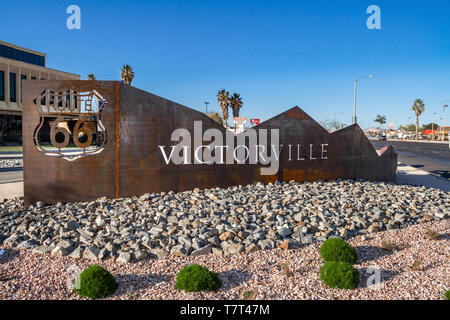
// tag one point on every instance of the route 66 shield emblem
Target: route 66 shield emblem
(70, 123)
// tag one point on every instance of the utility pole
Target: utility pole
(206, 104)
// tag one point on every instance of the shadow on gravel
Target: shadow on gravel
(233, 278)
(444, 236)
(371, 276)
(128, 283)
(8, 255)
(369, 253)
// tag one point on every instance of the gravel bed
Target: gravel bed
(28, 275)
(218, 221)
(11, 163)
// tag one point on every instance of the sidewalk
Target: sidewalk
(412, 176)
(409, 140)
(11, 190)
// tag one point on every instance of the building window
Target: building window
(20, 55)
(12, 87)
(22, 77)
(2, 86)
(33, 78)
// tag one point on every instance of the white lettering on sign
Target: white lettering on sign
(258, 149)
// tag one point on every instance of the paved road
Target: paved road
(8, 175)
(431, 157)
(11, 174)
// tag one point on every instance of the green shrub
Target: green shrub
(335, 249)
(95, 282)
(194, 278)
(447, 295)
(337, 274)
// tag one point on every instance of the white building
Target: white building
(17, 64)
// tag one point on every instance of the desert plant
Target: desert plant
(336, 249)
(95, 282)
(417, 264)
(447, 295)
(249, 295)
(337, 274)
(431, 234)
(388, 245)
(194, 278)
(285, 269)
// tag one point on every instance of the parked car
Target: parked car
(382, 137)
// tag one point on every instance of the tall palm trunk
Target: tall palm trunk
(417, 127)
(235, 112)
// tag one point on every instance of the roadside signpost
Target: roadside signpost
(390, 126)
(239, 124)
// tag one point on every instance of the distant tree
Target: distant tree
(216, 117)
(408, 127)
(91, 76)
(418, 107)
(429, 126)
(223, 97)
(332, 125)
(381, 120)
(127, 74)
(236, 104)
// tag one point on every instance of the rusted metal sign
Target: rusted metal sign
(89, 139)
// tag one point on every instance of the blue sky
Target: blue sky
(276, 54)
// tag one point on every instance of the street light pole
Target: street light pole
(206, 104)
(354, 97)
(443, 120)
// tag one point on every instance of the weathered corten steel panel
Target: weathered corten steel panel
(138, 123)
(52, 179)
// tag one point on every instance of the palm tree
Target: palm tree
(418, 107)
(127, 74)
(236, 104)
(91, 76)
(381, 120)
(223, 97)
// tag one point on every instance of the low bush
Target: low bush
(194, 278)
(95, 282)
(337, 274)
(431, 234)
(447, 295)
(336, 249)
(388, 245)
